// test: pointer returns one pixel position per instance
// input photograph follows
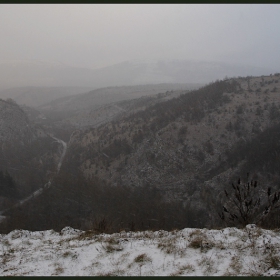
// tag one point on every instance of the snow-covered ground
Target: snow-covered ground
(192, 252)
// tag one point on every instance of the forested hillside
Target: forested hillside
(28, 155)
(165, 165)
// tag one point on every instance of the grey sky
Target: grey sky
(97, 35)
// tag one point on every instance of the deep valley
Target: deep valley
(140, 157)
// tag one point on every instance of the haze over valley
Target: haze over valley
(157, 124)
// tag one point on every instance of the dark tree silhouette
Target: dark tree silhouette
(7, 185)
(248, 203)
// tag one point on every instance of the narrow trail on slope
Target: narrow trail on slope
(46, 186)
(64, 145)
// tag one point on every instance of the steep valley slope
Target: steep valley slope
(188, 147)
(28, 154)
(165, 165)
(80, 110)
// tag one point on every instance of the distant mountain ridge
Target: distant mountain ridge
(41, 74)
(36, 96)
(103, 96)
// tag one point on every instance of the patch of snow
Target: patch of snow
(251, 251)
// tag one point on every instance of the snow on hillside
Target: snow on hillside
(251, 251)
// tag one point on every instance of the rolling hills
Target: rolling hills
(171, 159)
(28, 154)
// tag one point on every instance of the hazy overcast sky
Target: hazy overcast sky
(97, 35)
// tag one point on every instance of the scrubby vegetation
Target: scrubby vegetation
(248, 203)
(162, 166)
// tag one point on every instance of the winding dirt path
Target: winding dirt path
(47, 185)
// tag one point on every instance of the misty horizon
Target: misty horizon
(96, 36)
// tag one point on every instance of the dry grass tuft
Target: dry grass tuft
(89, 234)
(168, 245)
(142, 258)
(235, 264)
(196, 243)
(58, 270)
(111, 245)
(182, 269)
(208, 264)
(199, 240)
(272, 261)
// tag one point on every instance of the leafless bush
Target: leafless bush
(244, 204)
